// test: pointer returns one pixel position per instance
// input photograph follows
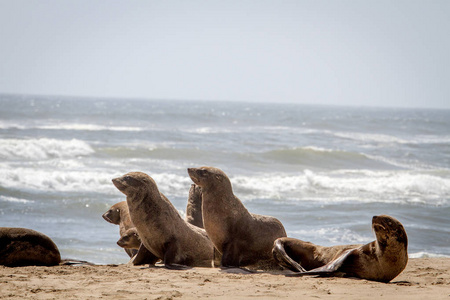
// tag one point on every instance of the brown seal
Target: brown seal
(27, 247)
(243, 238)
(380, 260)
(160, 226)
(118, 214)
(130, 239)
(194, 206)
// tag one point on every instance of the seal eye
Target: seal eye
(130, 180)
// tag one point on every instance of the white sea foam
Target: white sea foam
(43, 148)
(350, 185)
(390, 139)
(426, 255)
(42, 179)
(331, 236)
(15, 200)
(68, 126)
(369, 137)
(89, 127)
(207, 130)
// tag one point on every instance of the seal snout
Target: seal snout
(106, 217)
(193, 174)
(118, 183)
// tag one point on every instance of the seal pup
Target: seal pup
(27, 247)
(194, 206)
(118, 214)
(160, 227)
(244, 239)
(130, 239)
(381, 260)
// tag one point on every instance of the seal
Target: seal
(160, 227)
(118, 214)
(27, 247)
(194, 206)
(380, 260)
(130, 239)
(244, 239)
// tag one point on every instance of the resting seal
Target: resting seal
(380, 260)
(243, 238)
(26, 247)
(160, 226)
(194, 206)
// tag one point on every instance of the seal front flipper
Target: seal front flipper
(144, 256)
(173, 259)
(330, 268)
(280, 255)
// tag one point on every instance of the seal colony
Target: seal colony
(217, 228)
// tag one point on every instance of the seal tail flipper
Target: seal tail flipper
(284, 260)
(330, 268)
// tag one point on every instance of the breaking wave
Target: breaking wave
(42, 148)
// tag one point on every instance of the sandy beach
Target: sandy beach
(424, 278)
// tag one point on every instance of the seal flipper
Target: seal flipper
(176, 267)
(71, 262)
(144, 256)
(172, 258)
(284, 260)
(330, 268)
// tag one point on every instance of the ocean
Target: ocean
(323, 171)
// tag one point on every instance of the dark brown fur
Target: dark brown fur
(194, 206)
(26, 247)
(380, 260)
(160, 227)
(243, 238)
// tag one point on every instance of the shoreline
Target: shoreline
(422, 278)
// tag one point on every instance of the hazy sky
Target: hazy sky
(380, 53)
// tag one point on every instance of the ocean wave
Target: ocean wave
(331, 236)
(43, 148)
(426, 255)
(14, 200)
(69, 126)
(322, 158)
(361, 186)
(45, 180)
(97, 181)
(390, 139)
(90, 127)
(349, 185)
(369, 137)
